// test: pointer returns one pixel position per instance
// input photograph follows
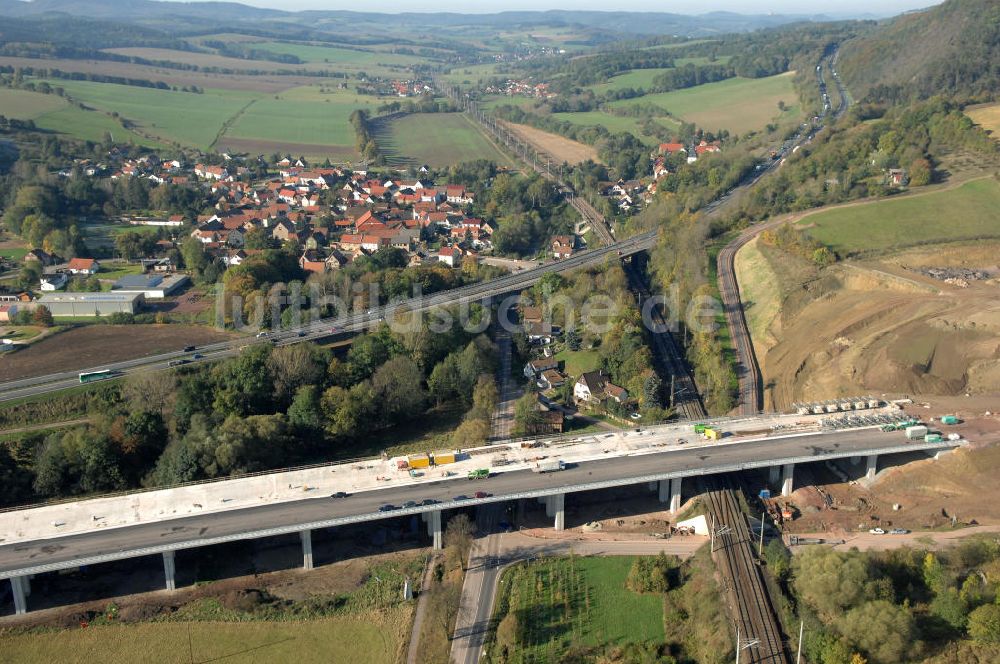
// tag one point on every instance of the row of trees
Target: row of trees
(267, 408)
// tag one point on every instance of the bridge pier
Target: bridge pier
(307, 549)
(787, 479)
(169, 570)
(558, 507)
(872, 467)
(434, 529)
(774, 475)
(18, 589)
(663, 491)
(675, 495)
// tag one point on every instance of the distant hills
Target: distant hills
(153, 13)
(952, 49)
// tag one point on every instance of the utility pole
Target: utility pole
(798, 655)
(760, 550)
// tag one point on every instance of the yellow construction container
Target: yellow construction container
(712, 434)
(443, 457)
(419, 460)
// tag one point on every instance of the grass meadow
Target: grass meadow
(963, 213)
(437, 139)
(737, 104)
(561, 602)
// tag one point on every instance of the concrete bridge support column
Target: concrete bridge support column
(872, 467)
(663, 491)
(307, 549)
(169, 570)
(653, 487)
(17, 586)
(434, 529)
(787, 479)
(558, 502)
(549, 506)
(675, 495)
(774, 475)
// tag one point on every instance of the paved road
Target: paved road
(148, 538)
(338, 326)
(751, 380)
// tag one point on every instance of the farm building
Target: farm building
(91, 304)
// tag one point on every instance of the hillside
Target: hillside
(951, 49)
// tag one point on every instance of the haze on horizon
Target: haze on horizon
(834, 8)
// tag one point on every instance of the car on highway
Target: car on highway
(636, 416)
(388, 507)
(877, 531)
(461, 496)
(483, 494)
(899, 531)
(409, 503)
(302, 333)
(340, 494)
(188, 349)
(197, 356)
(430, 501)
(177, 363)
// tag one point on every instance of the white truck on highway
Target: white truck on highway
(549, 466)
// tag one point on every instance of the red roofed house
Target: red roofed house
(672, 148)
(83, 266)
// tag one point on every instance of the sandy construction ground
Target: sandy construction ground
(874, 326)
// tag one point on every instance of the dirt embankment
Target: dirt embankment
(876, 326)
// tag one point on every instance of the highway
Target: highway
(30, 557)
(349, 324)
(751, 380)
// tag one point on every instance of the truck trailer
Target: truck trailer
(549, 466)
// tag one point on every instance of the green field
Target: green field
(472, 74)
(90, 125)
(13, 253)
(964, 213)
(636, 78)
(343, 58)
(737, 104)
(575, 601)
(341, 639)
(616, 123)
(579, 361)
(301, 116)
(27, 105)
(184, 117)
(436, 139)
(53, 113)
(643, 78)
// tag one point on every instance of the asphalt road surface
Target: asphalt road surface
(194, 531)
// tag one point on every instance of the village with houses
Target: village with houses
(329, 216)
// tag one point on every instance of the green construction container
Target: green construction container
(949, 419)
(932, 438)
(700, 428)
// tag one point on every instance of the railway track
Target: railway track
(759, 634)
(684, 392)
